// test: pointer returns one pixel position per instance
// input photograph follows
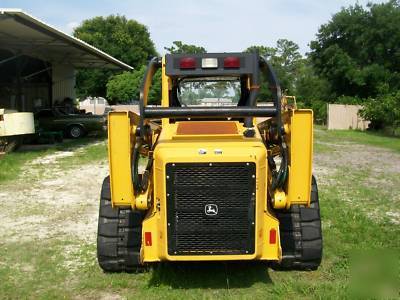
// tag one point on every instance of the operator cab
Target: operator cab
(211, 79)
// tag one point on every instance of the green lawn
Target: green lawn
(12, 164)
(359, 137)
(44, 269)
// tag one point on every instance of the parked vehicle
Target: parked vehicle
(95, 105)
(13, 126)
(218, 185)
(73, 125)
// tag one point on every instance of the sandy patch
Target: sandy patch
(394, 217)
(59, 203)
(51, 158)
(73, 257)
(372, 167)
(109, 296)
(357, 156)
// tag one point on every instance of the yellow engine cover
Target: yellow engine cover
(200, 147)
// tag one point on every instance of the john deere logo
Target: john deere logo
(211, 209)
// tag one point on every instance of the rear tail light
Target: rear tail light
(147, 239)
(272, 236)
(231, 62)
(187, 63)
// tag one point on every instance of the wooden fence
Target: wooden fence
(342, 116)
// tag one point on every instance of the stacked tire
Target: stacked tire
(301, 235)
(119, 235)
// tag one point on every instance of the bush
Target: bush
(349, 100)
(383, 111)
(125, 87)
(319, 109)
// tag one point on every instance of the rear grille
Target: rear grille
(227, 192)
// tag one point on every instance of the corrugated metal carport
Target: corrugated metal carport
(38, 62)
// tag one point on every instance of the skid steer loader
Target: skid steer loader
(210, 175)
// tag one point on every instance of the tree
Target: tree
(287, 62)
(179, 47)
(126, 40)
(296, 76)
(358, 50)
(268, 52)
(285, 59)
(312, 91)
(125, 87)
(309, 86)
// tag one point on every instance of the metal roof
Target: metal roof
(24, 34)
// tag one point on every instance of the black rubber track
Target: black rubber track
(301, 235)
(119, 235)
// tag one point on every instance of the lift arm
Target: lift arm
(121, 138)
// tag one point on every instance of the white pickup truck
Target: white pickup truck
(13, 125)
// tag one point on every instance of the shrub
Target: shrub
(383, 111)
(125, 87)
(349, 100)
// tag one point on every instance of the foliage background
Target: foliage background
(354, 59)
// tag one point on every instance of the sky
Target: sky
(218, 25)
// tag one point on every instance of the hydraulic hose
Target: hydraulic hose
(279, 180)
(280, 176)
(140, 183)
(136, 180)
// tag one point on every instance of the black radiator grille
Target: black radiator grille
(194, 188)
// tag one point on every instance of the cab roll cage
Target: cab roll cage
(248, 111)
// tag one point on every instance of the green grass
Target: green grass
(88, 154)
(43, 274)
(12, 164)
(359, 137)
(33, 270)
(321, 148)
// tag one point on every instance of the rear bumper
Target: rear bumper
(157, 251)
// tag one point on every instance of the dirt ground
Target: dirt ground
(372, 170)
(51, 201)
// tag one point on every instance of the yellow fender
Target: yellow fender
(121, 139)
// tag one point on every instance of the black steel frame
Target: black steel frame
(249, 110)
